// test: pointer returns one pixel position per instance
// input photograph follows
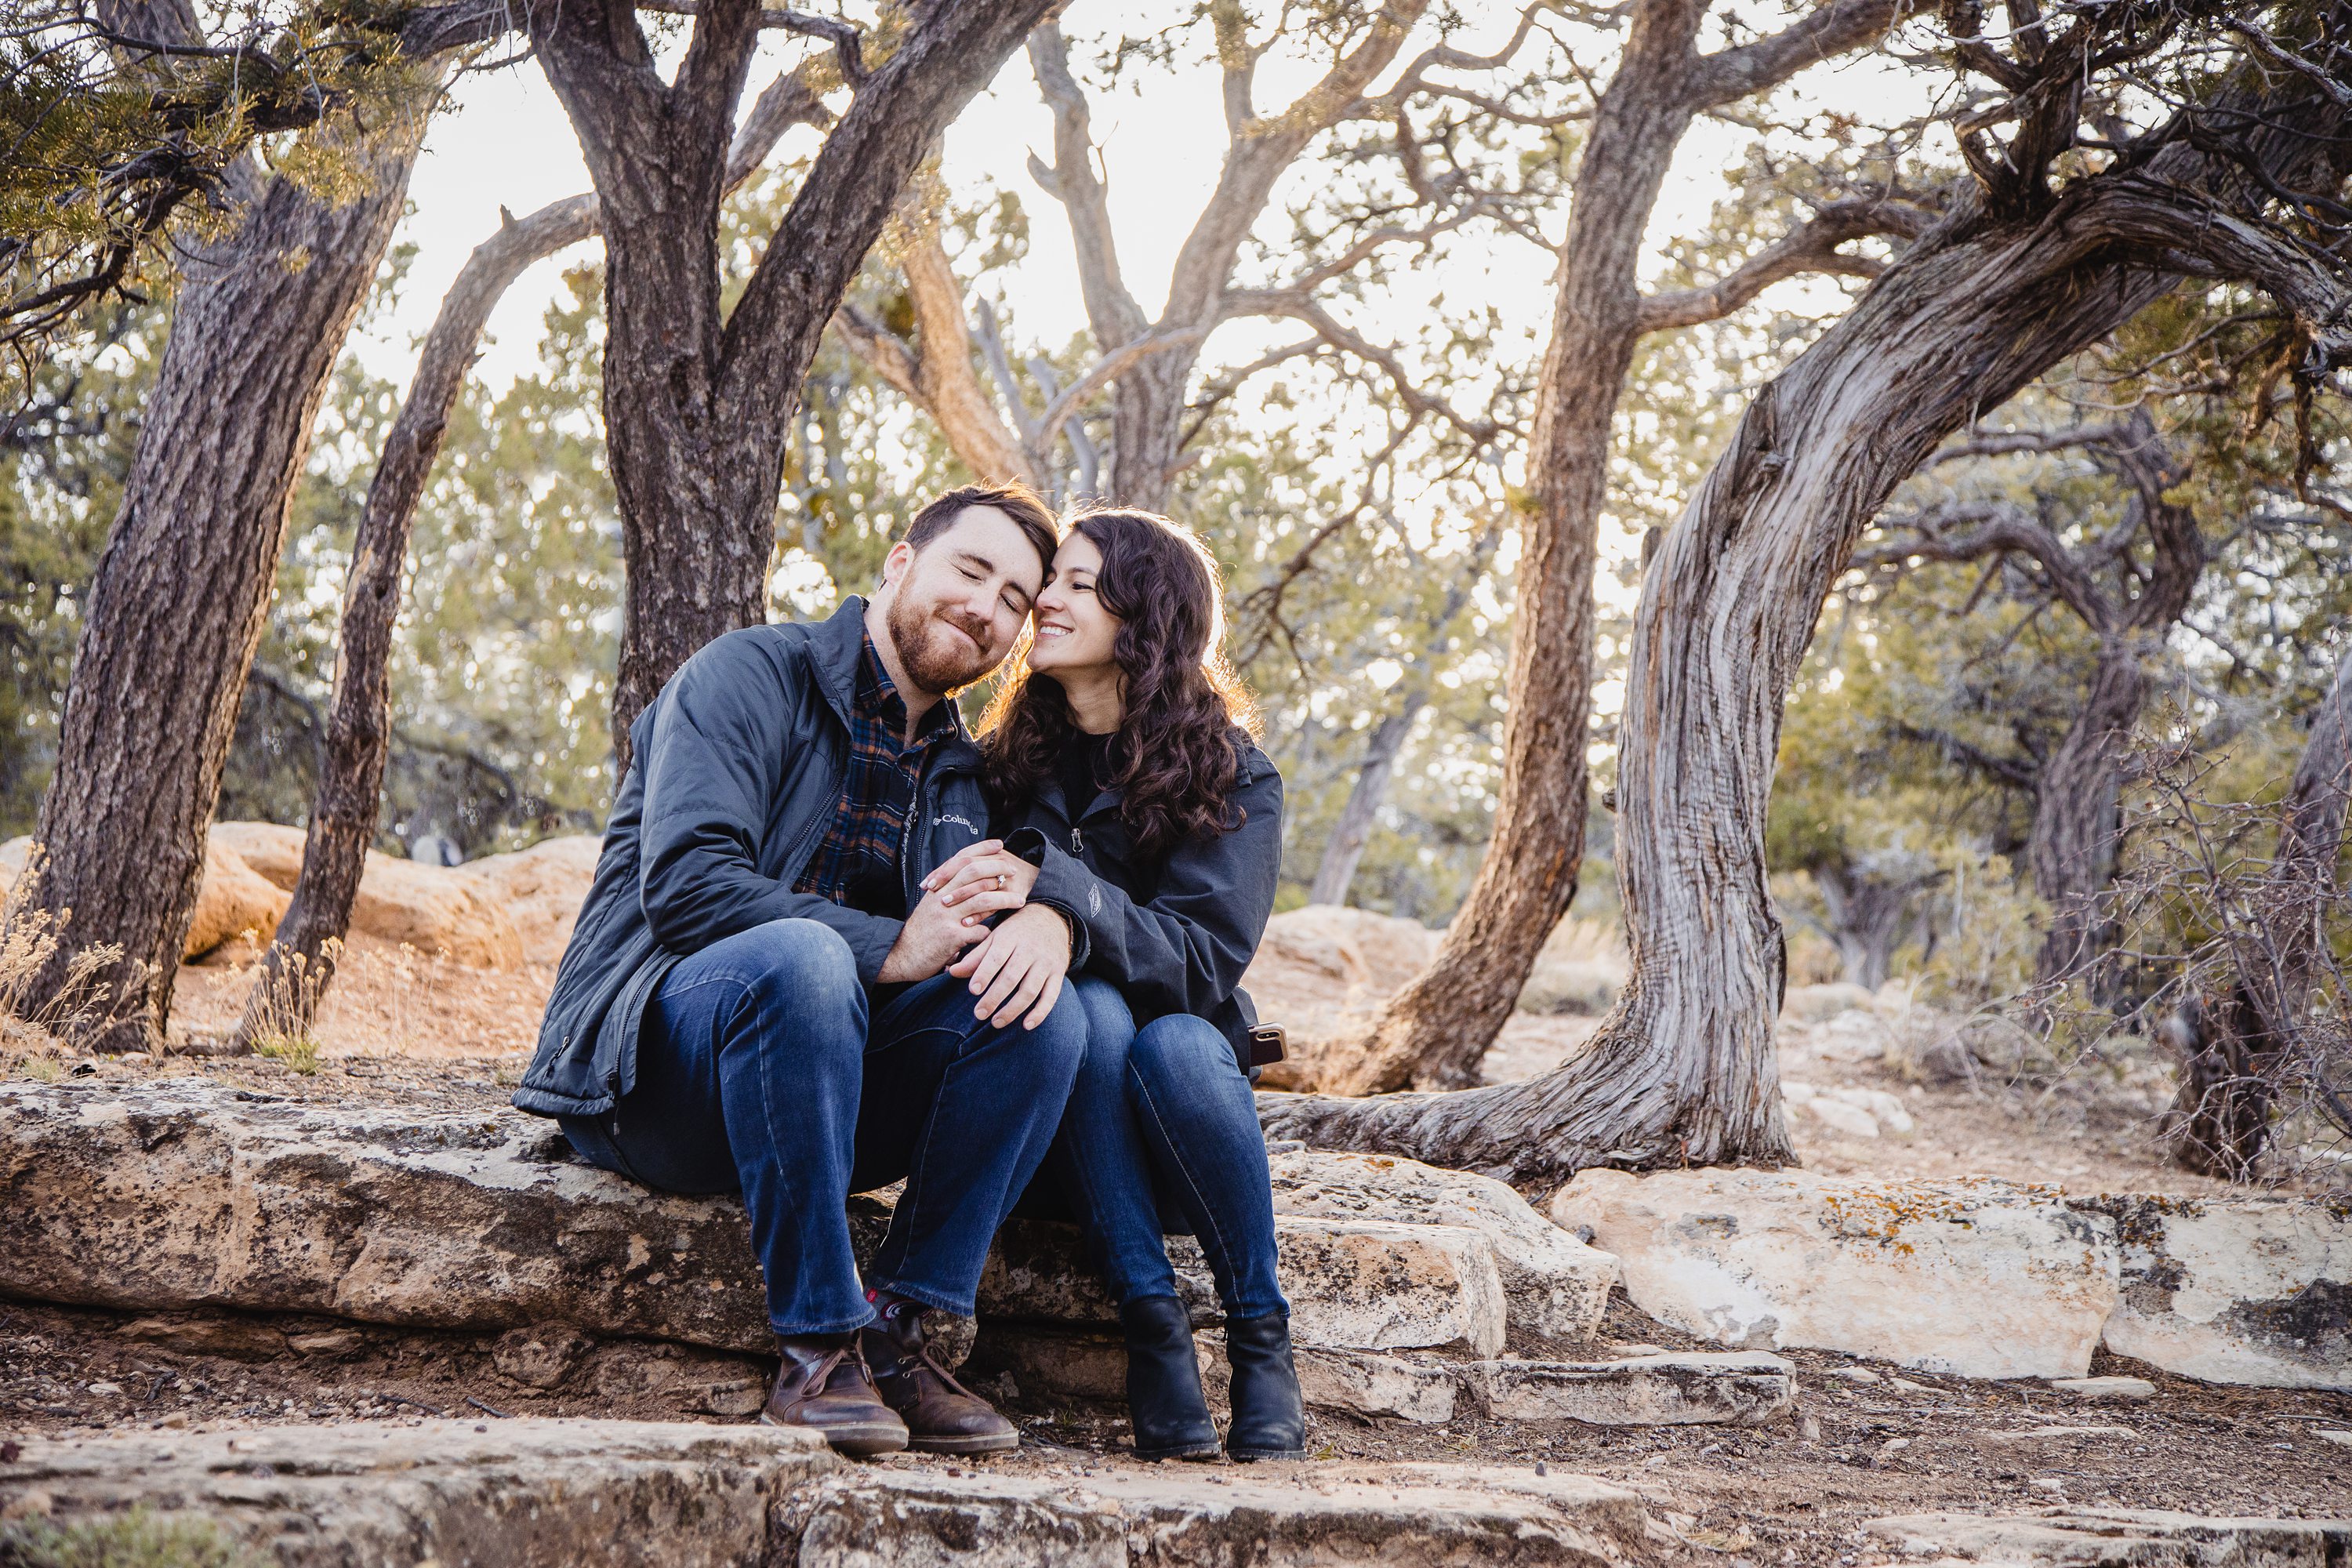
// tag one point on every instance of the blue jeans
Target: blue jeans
(759, 1070)
(1166, 1112)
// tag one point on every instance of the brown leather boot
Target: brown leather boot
(942, 1416)
(824, 1385)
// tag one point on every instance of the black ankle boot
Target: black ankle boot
(1269, 1422)
(1163, 1383)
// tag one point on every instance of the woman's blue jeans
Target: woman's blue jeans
(1160, 1113)
(764, 1066)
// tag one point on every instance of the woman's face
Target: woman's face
(1074, 632)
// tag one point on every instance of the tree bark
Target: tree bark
(294, 972)
(1434, 1032)
(1683, 1069)
(182, 590)
(697, 407)
(1337, 869)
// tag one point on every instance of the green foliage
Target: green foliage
(63, 457)
(121, 154)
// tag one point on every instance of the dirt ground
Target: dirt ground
(387, 1000)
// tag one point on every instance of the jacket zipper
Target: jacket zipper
(921, 807)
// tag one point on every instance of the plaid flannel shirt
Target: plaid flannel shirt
(856, 863)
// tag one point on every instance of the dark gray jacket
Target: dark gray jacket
(1173, 931)
(738, 770)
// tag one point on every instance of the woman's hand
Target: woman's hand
(1018, 965)
(985, 866)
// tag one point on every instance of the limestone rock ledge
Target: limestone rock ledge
(2239, 1289)
(1557, 1286)
(526, 1493)
(1982, 1277)
(2115, 1538)
(184, 1194)
(188, 1194)
(1739, 1388)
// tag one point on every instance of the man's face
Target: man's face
(957, 605)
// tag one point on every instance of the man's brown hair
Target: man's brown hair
(1016, 500)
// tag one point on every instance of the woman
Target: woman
(1131, 799)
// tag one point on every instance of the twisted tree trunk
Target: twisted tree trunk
(1683, 1069)
(182, 590)
(1434, 1032)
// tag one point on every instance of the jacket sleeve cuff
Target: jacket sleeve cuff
(1061, 886)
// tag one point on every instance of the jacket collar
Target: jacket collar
(835, 643)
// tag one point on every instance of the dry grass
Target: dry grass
(29, 940)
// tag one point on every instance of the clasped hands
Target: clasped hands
(1016, 967)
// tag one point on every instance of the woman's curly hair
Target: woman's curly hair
(1177, 760)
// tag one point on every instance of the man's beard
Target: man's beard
(934, 659)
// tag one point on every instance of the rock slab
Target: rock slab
(180, 1195)
(1353, 1284)
(519, 1494)
(433, 909)
(2240, 1289)
(1978, 1278)
(189, 1194)
(1557, 1286)
(2120, 1538)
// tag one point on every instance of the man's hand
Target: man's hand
(935, 933)
(978, 867)
(1020, 965)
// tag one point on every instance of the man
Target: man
(754, 997)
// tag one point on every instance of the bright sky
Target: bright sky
(507, 143)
